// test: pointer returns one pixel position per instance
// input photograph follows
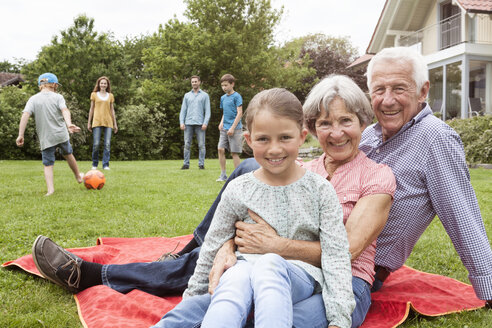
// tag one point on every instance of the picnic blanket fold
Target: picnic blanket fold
(101, 307)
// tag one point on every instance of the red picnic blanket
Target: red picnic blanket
(101, 306)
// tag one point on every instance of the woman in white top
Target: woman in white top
(101, 117)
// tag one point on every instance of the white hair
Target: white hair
(403, 55)
(331, 87)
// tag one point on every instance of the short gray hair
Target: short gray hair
(401, 54)
(329, 88)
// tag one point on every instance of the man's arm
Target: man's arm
(182, 113)
(207, 113)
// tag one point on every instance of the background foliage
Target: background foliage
(150, 74)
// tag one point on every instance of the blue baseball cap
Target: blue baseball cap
(47, 78)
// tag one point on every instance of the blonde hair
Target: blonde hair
(53, 86)
(279, 102)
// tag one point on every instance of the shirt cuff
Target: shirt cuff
(482, 286)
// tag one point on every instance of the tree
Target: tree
(220, 36)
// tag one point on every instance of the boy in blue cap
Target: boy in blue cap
(53, 123)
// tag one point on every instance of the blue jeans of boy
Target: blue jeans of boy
(200, 138)
(96, 140)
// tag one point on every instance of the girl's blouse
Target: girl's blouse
(102, 110)
(307, 209)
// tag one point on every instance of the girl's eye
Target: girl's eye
(286, 137)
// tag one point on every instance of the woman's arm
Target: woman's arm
(91, 114)
(366, 221)
(115, 126)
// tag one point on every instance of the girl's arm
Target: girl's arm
(91, 114)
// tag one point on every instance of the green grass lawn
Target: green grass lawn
(143, 199)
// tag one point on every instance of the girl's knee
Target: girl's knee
(269, 265)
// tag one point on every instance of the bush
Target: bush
(476, 134)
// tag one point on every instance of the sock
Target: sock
(224, 173)
(189, 247)
(90, 274)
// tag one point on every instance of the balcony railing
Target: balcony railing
(448, 29)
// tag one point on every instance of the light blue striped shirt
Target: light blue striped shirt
(195, 109)
(428, 161)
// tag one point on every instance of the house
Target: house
(455, 38)
(7, 79)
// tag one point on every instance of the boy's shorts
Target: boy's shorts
(232, 143)
(48, 154)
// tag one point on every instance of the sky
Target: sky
(28, 25)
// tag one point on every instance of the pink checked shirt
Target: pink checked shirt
(352, 181)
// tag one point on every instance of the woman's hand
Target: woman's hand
(224, 259)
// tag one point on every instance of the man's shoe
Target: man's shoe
(56, 264)
(185, 167)
(201, 167)
(167, 257)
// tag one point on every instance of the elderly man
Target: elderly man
(428, 161)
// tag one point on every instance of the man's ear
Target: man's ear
(424, 91)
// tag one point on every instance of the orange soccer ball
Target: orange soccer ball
(94, 179)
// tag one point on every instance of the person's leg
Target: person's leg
(232, 299)
(67, 152)
(48, 177)
(311, 311)
(236, 159)
(222, 161)
(277, 285)
(188, 135)
(96, 138)
(246, 166)
(107, 146)
(48, 158)
(156, 278)
(200, 137)
(188, 313)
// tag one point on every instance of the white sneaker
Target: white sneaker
(106, 168)
(222, 178)
(94, 167)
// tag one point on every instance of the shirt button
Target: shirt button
(377, 151)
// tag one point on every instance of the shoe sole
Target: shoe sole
(41, 270)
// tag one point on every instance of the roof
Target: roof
(10, 79)
(476, 6)
(361, 60)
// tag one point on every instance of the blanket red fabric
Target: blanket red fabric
(101, 307)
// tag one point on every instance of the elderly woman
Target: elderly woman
(336, 112)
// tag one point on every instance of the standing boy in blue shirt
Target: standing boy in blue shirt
(231, 134)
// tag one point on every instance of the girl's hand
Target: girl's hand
(115, 129)
(89, 127)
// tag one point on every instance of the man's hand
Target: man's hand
(204, 127)
(182, 126)
(224, 259)
(72, 128)
(259, 238)
(20, 141)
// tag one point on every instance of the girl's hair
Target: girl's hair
(279, 102)
(331, 87)
(97, 88)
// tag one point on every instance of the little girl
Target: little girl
(297, 203)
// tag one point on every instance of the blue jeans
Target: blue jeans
(170, 277)
(307, 313)
(200, 138)
(96, 139)
(273, 284)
